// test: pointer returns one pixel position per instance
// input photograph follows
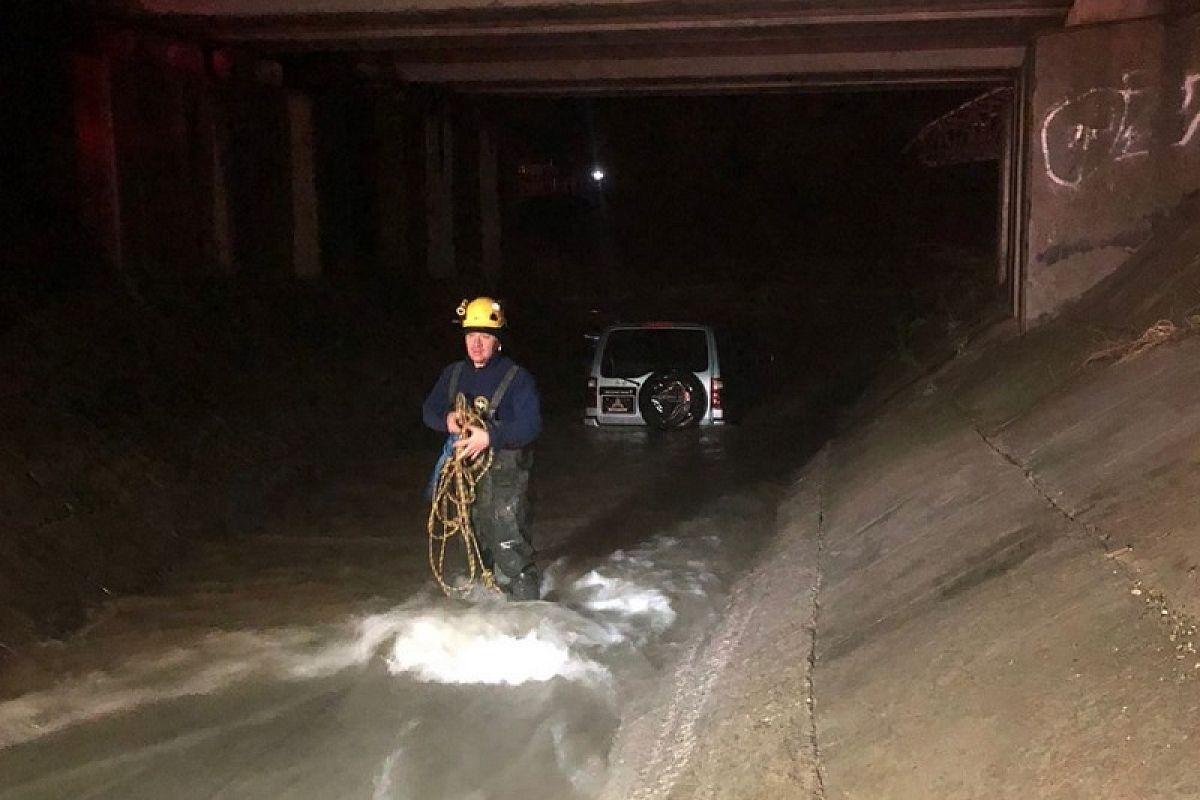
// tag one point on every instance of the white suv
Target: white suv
(663, 374)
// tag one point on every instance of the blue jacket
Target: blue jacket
(518, 420)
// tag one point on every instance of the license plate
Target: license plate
(621, 404)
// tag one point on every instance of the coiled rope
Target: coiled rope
(450, 511)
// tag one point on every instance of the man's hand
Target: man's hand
(452, 422)
(475, 442)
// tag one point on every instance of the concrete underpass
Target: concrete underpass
(946, 547)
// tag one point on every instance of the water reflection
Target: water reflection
(307, 666)
(484, 698)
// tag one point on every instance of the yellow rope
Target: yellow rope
(450, 512)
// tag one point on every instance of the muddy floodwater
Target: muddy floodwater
(316, 657)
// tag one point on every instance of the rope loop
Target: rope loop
(450, 511)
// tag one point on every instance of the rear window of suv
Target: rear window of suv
(630, 353)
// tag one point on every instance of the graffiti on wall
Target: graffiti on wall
(1087, 131)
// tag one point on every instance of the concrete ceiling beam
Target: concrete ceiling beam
(541, 45)
(565, 71)
(711, 86)
(1091, 12)
(299, 30)
(544, 9)
(360, 23)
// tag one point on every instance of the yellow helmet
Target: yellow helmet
(481, 314)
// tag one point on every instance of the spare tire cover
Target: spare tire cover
(672, 399)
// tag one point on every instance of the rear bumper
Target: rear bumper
(635, 421)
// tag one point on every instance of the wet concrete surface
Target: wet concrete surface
(982, 588)
(1006, 609)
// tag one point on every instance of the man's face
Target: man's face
(481, 347)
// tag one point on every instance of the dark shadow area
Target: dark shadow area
(43, 248)
(144, 408)
(799, 223)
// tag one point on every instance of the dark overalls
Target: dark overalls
(501, 515)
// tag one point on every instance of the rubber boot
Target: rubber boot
(526, 585)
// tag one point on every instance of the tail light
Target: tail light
(714, 399)
(592, 392)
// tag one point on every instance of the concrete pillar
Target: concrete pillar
(96, 156)
(1103, 163)
(1004, 198)
(392, 183)
(1091, 12)
(215, 135)
(439, 194)
(1018, 176)
(489, 208)
(306, 250)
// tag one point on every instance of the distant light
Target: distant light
(597, 174)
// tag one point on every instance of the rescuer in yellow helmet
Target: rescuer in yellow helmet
(508, 400)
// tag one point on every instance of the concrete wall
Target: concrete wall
(155, 110)
(191, 170)
(259, 165)
(1115, 147)
(306, 251)
(195, 162)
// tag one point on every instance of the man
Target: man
(507, 398)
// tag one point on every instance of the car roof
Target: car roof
(656, 325)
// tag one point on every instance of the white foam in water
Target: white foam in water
(487, 649)
(634, 593)
(212, 663)
(625, 601)
(584, 770)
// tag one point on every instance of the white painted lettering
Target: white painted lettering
(1130, 141)
(1189, 106)
(1106, 125)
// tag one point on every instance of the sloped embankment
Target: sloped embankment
(986, 586)
(1011, 561)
